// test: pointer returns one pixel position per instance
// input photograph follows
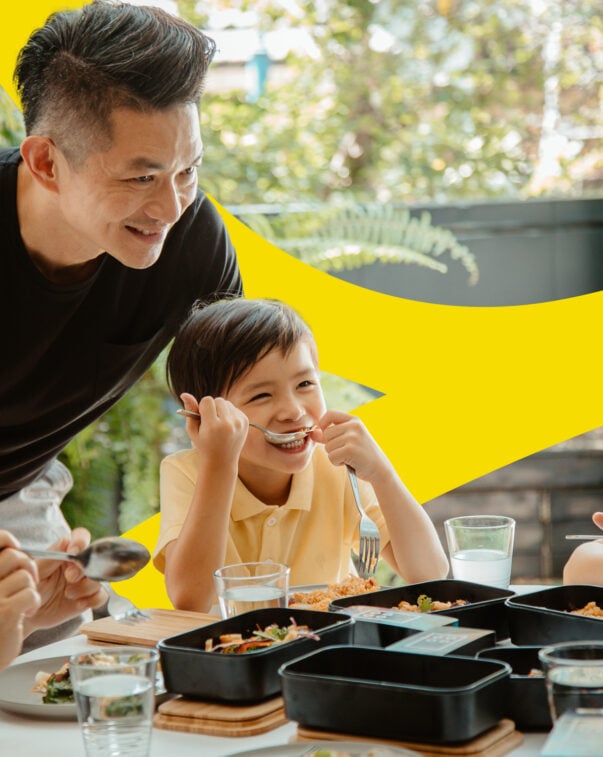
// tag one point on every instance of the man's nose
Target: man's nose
(167, 203)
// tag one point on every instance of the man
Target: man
(106, 243)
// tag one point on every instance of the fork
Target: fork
(122, 609)
(370, 542)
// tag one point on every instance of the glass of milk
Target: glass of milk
(481, 548)
(251, 586)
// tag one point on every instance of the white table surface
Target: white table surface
(30, 737)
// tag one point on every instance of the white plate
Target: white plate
(16, 695)
(351, 748)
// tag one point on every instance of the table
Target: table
(28, 737)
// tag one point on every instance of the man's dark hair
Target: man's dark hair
(82, 64)
(219, 343)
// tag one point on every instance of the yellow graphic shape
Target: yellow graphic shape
(18, 22)
(466, 390)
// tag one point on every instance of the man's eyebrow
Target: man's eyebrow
(141, 163)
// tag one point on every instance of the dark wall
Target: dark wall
(550, 494)
(527, 252)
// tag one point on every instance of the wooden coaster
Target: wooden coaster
(496, 742)
(214, 719)
(147, 633)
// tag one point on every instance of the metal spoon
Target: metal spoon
(271, 436)
(584, 537)
(108, 559)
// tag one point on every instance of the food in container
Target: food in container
(190, 670)
(548, 616)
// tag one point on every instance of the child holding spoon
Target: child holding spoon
(237, 497)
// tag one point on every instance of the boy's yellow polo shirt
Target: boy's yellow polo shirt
(312, 532)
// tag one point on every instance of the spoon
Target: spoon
(271, 436)
(584, 537)
(111, 558)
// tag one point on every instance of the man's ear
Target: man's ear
(40, 156)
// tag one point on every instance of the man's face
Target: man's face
(125, 199)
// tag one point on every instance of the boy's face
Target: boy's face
(284, 394)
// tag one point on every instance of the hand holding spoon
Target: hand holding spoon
(271, 436)
(108, 559)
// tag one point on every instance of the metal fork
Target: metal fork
(370, 542)
(122, 609)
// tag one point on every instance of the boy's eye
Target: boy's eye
(304, 384)
(261, 396)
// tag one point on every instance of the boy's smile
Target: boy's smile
(283, 393)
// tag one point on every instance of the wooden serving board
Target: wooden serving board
(214, 719)
(496, 742)
(147, 633)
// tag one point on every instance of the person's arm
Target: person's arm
(414, 551)
(200, 548)
(585, 564)
(18, 596)
(64, 590)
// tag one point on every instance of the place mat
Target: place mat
(214, 719)
(147, 633)
(496, 742)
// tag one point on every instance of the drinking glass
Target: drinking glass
(481, 548)
(251, 586)
(114, 691)
(574, 676)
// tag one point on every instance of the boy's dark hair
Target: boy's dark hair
(82, 64)
(218, 343)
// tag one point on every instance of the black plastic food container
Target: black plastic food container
(527, 704)
(544, 617)
(486, 608)
(251, 676)
(374, 692)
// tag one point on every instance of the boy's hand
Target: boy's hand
(221, 433)
(348, 442)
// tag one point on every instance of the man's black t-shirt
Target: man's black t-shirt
(67, 353)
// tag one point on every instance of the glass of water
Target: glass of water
(481, 548)
(574, 676)
(251, 586)
(114, 691)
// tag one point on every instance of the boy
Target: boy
(235, 497)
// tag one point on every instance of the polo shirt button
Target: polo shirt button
(271, 521)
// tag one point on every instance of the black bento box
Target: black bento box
(545, 617)
(485, 608)
(527, 704)
(374, 692)
(251, 676)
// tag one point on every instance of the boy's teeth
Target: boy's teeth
(291, 445)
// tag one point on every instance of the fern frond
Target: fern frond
(334, 238)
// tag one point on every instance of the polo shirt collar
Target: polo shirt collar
(246, 505)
